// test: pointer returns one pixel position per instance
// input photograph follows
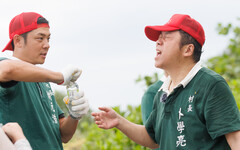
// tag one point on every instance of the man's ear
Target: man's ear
(18, 41)
(188, 50)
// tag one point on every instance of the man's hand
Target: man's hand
(78, 107)
(106, 119)
(70, 74)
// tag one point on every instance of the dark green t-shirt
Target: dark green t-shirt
(34, 107)
(147, 101)
(195, 117)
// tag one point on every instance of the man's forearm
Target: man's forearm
(137, 133)
(22, 71)
(68, 127)
(233, 140)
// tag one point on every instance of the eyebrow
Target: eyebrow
(42, 34)
(168, 32)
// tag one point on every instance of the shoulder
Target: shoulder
(155, 87)
(151, 92)
(209, 81)
(209, 76)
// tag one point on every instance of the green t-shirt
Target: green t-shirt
(34, 107)
(147, 101)
(195, 117)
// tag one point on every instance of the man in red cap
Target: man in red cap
(26, 96)
(194, 108)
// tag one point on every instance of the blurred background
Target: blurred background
(106, 39)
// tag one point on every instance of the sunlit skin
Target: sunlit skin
(106, 119)
(36, 47)
(167, 48)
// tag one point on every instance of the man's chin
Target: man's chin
(40, 62)
(158, 66)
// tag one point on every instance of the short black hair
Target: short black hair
(42, 20)
(188, 39)
(24, 35)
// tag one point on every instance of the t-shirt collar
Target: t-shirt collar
(185, 81)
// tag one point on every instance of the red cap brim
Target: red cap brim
(153, 32)
(8, 46)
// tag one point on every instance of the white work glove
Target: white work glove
(79, 105)
(70, 74)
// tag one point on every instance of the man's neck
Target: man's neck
(18, 57)
(179, 73)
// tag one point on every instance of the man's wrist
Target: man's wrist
(61, 79)
(120, 119)
(73, 117)
(60, 83)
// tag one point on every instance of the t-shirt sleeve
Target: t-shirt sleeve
(151, 121)
(146, 105)
(148, 100)
(221, 111)
(60, 112)
(7, 84)
(149, 125)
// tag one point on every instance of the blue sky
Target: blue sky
(106, 39)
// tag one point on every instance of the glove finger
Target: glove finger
(78, 95)
(71, 73)
(79, 101)
(76, 75)
(80, 107)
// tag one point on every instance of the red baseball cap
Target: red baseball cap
(176, 22)
(22, 23)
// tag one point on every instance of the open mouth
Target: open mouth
(159, 52)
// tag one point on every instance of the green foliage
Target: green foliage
(89, 136)
(113, 139)
(148, 80)
(228, 64)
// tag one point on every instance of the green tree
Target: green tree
(149, 80)
(114, 139)
(89, 136)
(228, 64)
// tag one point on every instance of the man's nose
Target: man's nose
(46, 44)
(159, 42)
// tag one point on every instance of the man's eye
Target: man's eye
(166, 37)
(40, 38)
